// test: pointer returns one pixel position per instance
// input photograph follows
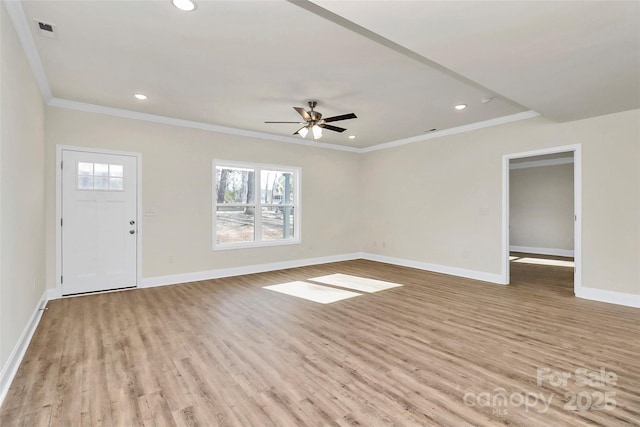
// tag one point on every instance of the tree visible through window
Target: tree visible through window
(255, 205)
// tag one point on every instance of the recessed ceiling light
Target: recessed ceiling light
(186, 5)
(460, 106)
(140, 96)
(352, 137)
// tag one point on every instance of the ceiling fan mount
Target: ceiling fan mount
(314, 122)
(315, 116)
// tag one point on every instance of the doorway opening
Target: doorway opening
(542, 214)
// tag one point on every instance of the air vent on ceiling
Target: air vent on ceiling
(46, 29)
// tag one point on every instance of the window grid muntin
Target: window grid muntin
(258, 241)
(87, 173)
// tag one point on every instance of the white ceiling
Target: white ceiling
(400, 66)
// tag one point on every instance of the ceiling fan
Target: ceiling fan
(313, 121)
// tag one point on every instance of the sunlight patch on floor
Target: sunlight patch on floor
(312, 292)
(332, 293)
(542, 261)
(356, 283)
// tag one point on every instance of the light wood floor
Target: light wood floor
(227, 352)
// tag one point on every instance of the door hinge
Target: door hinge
(60, 222)
(575, 217)
(61, 164)
(61, 280)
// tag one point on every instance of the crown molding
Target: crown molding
(454, 130)
(135, 115)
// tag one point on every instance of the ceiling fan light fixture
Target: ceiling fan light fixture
(314, 122)
(185, 5)
(317, 132)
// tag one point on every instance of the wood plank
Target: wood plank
(228, 352)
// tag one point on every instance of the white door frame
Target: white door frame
(577, 207)
(138, 156)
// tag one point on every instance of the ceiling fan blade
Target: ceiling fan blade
(300, 123)
(303, 113)
(342, 117)
(333, 128)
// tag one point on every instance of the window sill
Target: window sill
(247, 245)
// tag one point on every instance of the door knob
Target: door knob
(132, 231)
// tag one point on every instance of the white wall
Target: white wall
(177, 186)
(440, 201)
(22, 256)
(541, 208)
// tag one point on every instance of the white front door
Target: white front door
(99, 214)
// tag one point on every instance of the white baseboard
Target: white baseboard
(612, 297)
(262, 268)
(542, 251)
(12, 364)
(10, 368)
(453, 271)
(238, 271)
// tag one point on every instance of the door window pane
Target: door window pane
(115, 170)
(100, 183)
(116, 184)
(85, 182)
(100, 176)
(100, 169)
(85, 168)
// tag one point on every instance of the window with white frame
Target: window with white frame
(255, 205)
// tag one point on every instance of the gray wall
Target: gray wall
(541, 209)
